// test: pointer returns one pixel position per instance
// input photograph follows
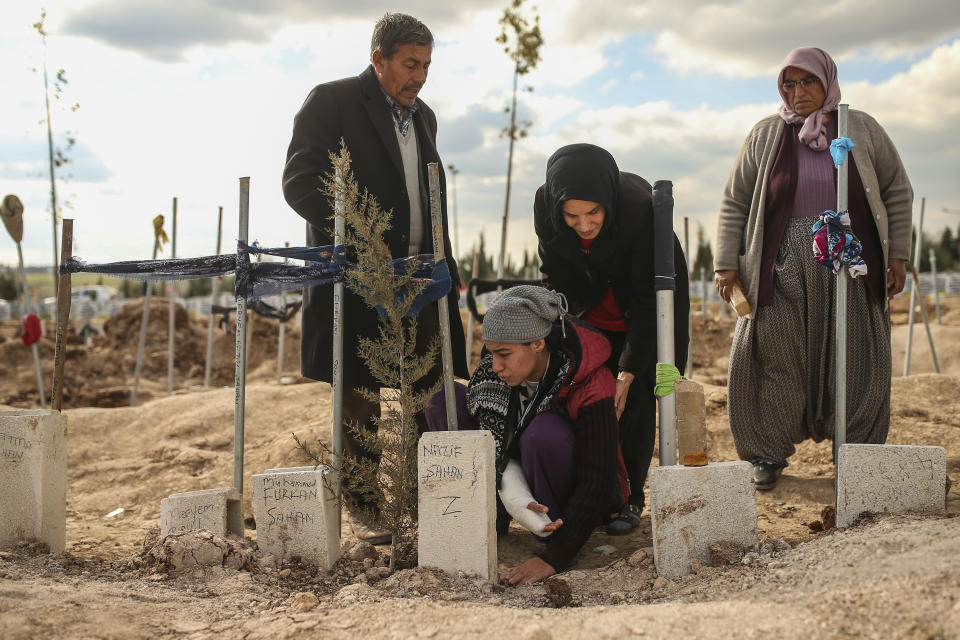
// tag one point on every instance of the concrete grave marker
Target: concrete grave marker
(217, 510)
(694, 507)
(297, 515)
(887, 478)
(457, 502)
(33, 474)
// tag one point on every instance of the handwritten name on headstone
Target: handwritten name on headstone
(442, 450)
(189, 518)
(286, 493)
(443, 472)
(12, 455)
(280, 487)
(10, 441)
(291, 517)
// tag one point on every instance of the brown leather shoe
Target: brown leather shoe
(365, 533)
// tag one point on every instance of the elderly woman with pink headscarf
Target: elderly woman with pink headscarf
(781, 376)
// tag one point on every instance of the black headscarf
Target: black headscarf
(582, 172)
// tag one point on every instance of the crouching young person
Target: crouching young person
(542, 390)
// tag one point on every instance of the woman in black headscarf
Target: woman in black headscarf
(595, 227)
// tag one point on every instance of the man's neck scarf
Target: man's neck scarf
(402, 115)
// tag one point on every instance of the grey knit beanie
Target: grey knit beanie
(522, 314)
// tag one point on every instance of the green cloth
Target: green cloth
(667, 375)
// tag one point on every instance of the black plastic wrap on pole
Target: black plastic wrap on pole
(663, 236)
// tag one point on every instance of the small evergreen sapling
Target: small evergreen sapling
(385, 494)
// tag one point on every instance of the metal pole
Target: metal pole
(840, 398)
(703, 295)
(63, 317)
(240, 376)
(686, 250)
(280, 338)
(926, 324)
(144, 321)
(470, 320)
(914, 293)
(213, 300)
(665, 284)
(936, 287)
(446, 349)
(170, 304)
(33, 347)
(339, 232)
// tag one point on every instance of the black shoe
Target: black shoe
(626, 521)
(765, 475)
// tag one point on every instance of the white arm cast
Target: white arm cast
(515, 494)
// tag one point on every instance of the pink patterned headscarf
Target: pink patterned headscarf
(813, 133)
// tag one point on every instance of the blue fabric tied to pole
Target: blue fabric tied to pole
(834, 244)
(325, 265)
(839, 149)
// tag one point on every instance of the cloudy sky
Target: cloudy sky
(183, 98)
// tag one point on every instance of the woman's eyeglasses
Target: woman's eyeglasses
(806, 83)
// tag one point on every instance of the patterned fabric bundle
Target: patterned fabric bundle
(834, 244)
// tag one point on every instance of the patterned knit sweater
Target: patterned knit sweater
(581, 388)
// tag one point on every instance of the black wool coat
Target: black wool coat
(356, 110)
(621, 258)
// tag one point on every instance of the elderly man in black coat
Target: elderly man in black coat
(391, 135)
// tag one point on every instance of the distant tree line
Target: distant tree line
(528, 269)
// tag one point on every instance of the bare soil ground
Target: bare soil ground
(888, 577)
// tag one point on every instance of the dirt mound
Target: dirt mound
(101, 374)
(195, 552)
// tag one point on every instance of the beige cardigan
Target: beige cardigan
(740, 221)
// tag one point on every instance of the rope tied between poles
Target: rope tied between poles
(327, 265)
(834, 244)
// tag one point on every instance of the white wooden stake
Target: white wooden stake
(840, 398)
(339, 232)
(914, 291)
(171, 303)
(144, 321)
(283, 310)
(470, 320)
(240, 381)
(33, 347)
(213, 300)
(446, 350)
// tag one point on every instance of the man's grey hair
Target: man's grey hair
(395, 29)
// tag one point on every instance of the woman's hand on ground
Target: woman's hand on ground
(624, 380)
(896, 276)
(724, 281)
(533, 570)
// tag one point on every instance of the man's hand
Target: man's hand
(624, 380)
(542, 508)
(533, 570)
(724, 281)
(896, 276)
